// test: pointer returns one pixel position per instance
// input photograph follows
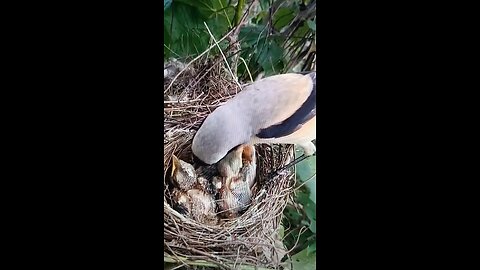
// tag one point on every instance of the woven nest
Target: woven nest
(249, 240)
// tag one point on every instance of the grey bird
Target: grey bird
(277, 109)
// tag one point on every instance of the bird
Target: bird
(192, 193)
(183, 174)
(277, 109)
(237, 174)
(217, 183)
(181, 202)
(231, 164)
(234, 199)
(204, 184)
(195, 204)
(203, 207)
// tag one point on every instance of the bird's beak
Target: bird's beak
(175, 164)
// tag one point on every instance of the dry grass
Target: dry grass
(251, 239)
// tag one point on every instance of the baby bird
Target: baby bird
(181, 202)
(202, 207)
(238, 171)
(195, 204)
(190, 194)
(183, 174)
(205, 178)
(231, 164)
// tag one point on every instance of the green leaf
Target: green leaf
(309, 207)
(270, 58)
(184, 29)
(166, 4)
(261, 16)
(313, 226)
(283, 16)
(305, 171)
(311, 24)
(281, 231)
(310, 210)
(264, 4)
(304, 260)
(210, 9)
(292, 214)
(250, 35)
(311, 248)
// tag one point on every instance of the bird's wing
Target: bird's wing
(270, 101)
(307, 111)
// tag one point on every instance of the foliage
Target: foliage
(304, 260)
(276, 38)
(184, 32)
(300, 217)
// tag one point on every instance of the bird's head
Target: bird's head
(224, 129)
(183, 173)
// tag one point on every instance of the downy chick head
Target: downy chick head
(231, 164)
(183, 174)
(202, 207)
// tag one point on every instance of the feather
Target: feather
(306, 112)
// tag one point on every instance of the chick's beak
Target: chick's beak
(175, 164)
(248, 153)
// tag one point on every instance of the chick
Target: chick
(241, 193)
(205, 185)
(183, 174)
(205, 178)
(235, 194)
(234, 199)
(181, 202)
(195, 204)
(231, 164)
(202, 207)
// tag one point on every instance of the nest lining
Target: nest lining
(250, 239)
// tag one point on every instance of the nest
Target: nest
(249, 240)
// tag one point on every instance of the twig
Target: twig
(306, 181)
(248, 70)
(195, 59)
(234, 77)
(206, 263)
